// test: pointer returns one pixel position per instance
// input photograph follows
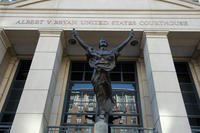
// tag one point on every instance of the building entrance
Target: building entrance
(80, 102)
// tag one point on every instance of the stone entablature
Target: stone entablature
(104, 5)
(102, 20)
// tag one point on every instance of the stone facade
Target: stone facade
(167, 31)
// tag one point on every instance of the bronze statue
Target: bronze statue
(103, 61)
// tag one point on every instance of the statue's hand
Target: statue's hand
(131, 33)
(74, 32)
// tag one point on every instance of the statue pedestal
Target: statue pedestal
(101, 127)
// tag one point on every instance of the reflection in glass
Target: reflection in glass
(81, 101)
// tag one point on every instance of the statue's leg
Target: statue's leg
(107, 108)
(106, 117)
(101, 110)
(97, 109)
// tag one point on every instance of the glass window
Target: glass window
(190, 96)
(77, 76)
(81, 71)
(115, 76)
(134, 120)
(81, 96)
(123, 120)
(129, 76)
(88, 130)
(78, 120)
(128, 67)
(69, 119)
(14, 94)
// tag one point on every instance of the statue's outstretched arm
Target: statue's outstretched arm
(125, 42)
(80, 41)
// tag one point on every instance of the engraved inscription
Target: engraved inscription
(103, 22)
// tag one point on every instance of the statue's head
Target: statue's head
(103, 43)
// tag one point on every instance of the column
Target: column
(57, 106)
(144, 95)
(169, 114)
(195, 70)
(3, 46)
(34, 108)
(4, 43)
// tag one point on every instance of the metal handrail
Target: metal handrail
(89, 128)
(195, 130)
(5, 128)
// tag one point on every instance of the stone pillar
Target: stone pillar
(33, 111)
(58, 102)
(168, 108)
(9, 67)
(144, 95)
(4, 44)
(195, 70)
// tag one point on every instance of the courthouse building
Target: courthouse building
(45, 80)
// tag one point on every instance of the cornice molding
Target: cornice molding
(155, 34)
(151, 34)
(54, 33)
(23, 3)
(27, 11)
(50, 32)
(92, 10)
